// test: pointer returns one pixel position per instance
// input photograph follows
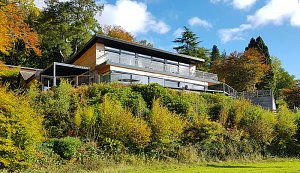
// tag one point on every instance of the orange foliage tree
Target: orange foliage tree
(292, 96)
(13, 28)
(241, 71)
(118, 32)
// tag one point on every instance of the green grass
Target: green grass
(269, 166)
(264, 166)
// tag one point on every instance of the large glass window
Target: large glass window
(157, 80)
(105, 78)
(139, 79)
(171, 84)
(198, 87)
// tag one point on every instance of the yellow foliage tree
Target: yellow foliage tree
(20, 131)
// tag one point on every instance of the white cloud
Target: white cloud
(196, 21)
(132, 16)
(178, 32)
(233, 33)
(238, 4)
(41, 3)
(275, 12)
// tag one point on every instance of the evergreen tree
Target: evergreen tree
(214, 55)
(189, 45)
(267, 81)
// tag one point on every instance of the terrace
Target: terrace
(156, 65)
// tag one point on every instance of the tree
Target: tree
(188, 45)
(66, 26)
(241, 71)
(15, 32)
(267, 81)
(215, 54)
(282, 79)
(118, 32)
(145, 43)
(292, 96)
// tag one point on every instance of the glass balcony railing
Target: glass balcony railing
(146, 63)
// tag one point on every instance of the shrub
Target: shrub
(119, 124)
(285, 129)
(167, 127)
(259, 124)
(218, 107)
(20, 131)
(237, 112)
(55, 105)
(66, 147)
(230, 145)
(9, 76)
(201, 129)
(151, 92)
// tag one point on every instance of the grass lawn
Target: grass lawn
(264, 166)
(276, 166)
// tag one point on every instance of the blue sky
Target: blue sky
(229, 24)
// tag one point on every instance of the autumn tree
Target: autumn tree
(118, 32)
(292, 96)
(267, 82)
(14, 31)
(242, 71)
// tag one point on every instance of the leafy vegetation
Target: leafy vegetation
(140, 123)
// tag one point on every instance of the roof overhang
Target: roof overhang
(64, 70)
(137, 48)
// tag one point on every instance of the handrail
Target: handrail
(148, 64)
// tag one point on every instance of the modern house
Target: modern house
(106, 59)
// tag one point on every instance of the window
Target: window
(157, 80)
(139, 79)
(198, 87)
(171, 84)
(105, 78)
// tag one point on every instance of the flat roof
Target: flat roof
(134, 47)
(63, 69)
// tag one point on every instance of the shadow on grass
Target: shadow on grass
(239, 166)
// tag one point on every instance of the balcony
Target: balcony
(156, 65)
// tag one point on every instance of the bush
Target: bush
(9, 76)
(167, 127)
(259, 124)
(285, 129)
(201, 129)
(66, 147)
(119, 124)
(20, 131)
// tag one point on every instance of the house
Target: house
(106, 59)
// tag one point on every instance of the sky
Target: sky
(229, 24)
